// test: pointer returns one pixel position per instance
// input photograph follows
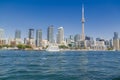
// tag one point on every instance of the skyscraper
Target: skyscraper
(17, 34)
(50, 34)
(116, 41)
(39, 38)
(2, 40)
(18, 37)
(60, 35)
(83, 21)
(1, 33)
(31, 40)
(31, 34)
(115, 35)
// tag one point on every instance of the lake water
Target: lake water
(68, 65)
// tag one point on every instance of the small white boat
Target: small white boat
(53, 48)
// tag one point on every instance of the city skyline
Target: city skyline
(102, 16)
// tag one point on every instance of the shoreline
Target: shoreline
(53, 51)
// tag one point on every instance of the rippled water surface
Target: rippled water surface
(69, 65)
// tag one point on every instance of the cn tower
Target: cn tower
(83, 21)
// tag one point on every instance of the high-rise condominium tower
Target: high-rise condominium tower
(50, 34)
(39, 38)
(17, 34)
(1, 33)
(60, 35)
(116, 42)
(31, 34)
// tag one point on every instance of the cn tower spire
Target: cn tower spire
(83, 21)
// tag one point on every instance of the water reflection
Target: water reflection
(69, 65)
(76, 64)
(83, 61)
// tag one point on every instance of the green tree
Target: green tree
(63, 47)
(28, 46)
(70, 45)
(109, 49)
(6, 45)
(1, 46)
(20, 46)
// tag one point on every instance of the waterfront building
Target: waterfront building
(31, 38)
(77, 38)
(18, 37)
(39, 38)
(11, 42)
(31, 34)
(89, 42)
(111, 43)
(80, 44)
(77, 44)
(50, 34)
(116, 44)
(18, 41)
(77, 41)
(45, 43)
(98, 39)
(60, 35)
(87, 38)
(1, 34)
(116, 41)
(83, 44)
(100, 43)
(32, 43)
(26, 41)
(2, 40)
(17, 34)
(99, 46)
(70, 39)
(115, 35)
(107, 43)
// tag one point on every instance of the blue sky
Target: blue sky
(102, 16)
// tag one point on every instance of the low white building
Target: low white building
(18, 41)
(45, 43)
(99, 45)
